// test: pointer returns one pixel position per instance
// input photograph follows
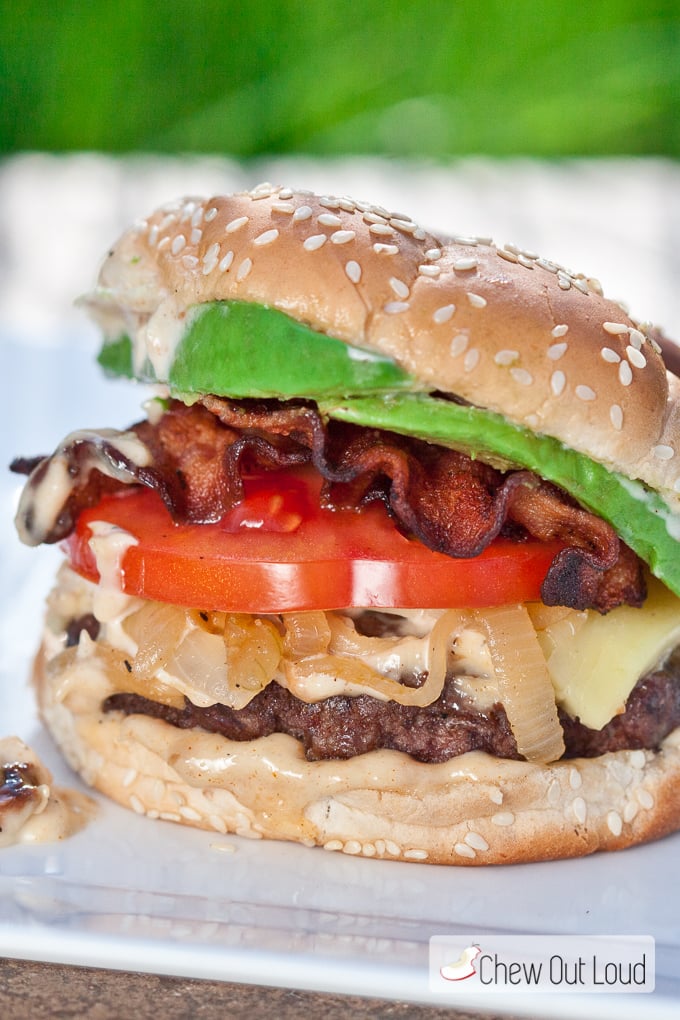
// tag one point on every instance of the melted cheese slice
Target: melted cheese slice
(595, 661)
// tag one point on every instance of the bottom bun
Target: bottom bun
(474, 809)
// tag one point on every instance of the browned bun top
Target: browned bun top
(500, 327)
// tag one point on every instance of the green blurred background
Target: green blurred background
(438, 78)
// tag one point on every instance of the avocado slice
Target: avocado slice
(240, 349)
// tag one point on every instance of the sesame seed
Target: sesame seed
(178, 243)
(283, 207)
(343, 236)
(163, 243)
(210, 214)
(546, 264)
(226, 262)
(471, 359)
(525, 261)
(560, 330)
(197, 217)
(352, 846)
(190, 813)
(221, 826)
(385, 249)
(329, 220)
(459, 344)
(580, 284)
(266, 238)
(129, 777)
(370, 216)
(329, 202)
(406, 226)
(579, 809)
(614, 823)
(563, 282)
(167, 221)
(630, 811)
(637, 758)
(443, 314)
(616, 416)
(558, 381)
(264, 190)
(636, 357)
(431, 271)
(465, 264)
(314, 242)
(196, 235)
(382, 229)
(392, 848)
(503, 818)
(153, 235)
(432, 254)
(286, 193)
(348, 204)
(625, 374)
(244, 269)
(211, 254)
(506, 357)
(506, 254)
(368, 850)
(236, 224)
(636, 338)
(463, 850)
(575, 779)
(585, 393)
(663, 452)
(303, 212)
(609, 355)
(464, 239)
(476, 841)
(521, 376)
(644, 798)
(476, 300)
(189, 261)
(399, 287)
(170, 816)
(353, 271)
(136, 804)
(496, 795)
(333, 844)
(395, 307)
(614, 328)
(556, 351)
(416, 854)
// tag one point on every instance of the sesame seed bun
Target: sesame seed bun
(473, 810)
(500, 327)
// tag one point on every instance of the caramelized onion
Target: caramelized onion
(347, 667)
(305, 634)
(524, 685)
(156, 629)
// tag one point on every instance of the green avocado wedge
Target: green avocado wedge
(245, 350)
(241, 349)
(638, 514)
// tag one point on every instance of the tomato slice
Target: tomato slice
(279, 551)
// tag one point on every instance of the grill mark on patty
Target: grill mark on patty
(341, 727)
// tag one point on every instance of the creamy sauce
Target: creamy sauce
(109, 544)
(32, 809)
(46, 493)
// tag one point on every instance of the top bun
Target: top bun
(498, 326)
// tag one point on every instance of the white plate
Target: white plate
(151, 896)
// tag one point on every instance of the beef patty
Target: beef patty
(341, 727)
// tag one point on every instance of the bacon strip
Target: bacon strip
(451, 503)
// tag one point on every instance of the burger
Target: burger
(390, 565)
